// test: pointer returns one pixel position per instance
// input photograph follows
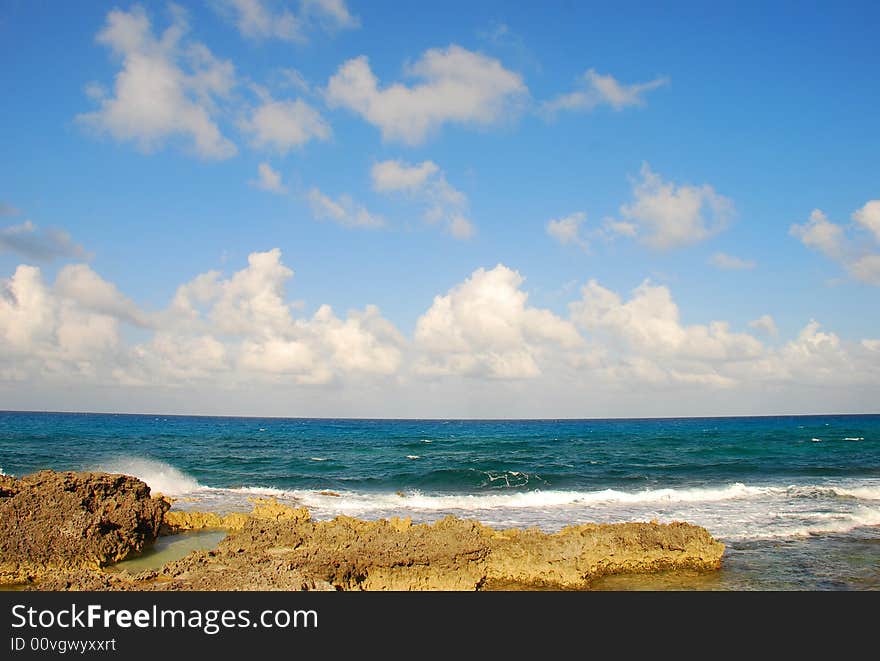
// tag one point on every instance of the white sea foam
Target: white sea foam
(161, 477)
(854, 438)
(824, 523)
(732, 512)
(317, 458)
(863, 493)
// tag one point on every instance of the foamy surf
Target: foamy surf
(734, 511)
(161, 477)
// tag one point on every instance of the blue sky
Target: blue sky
(690, 145)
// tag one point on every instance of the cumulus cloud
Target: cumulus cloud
(666, 215)
(281, 126)
(29, 241)
(869, 218)
(426, 182)
(649, 324)
(855, 254)
(485, 327)
(272, 19)
(821, 234)
(567, 230)
(458, 86)
(80, 284)
(342, 210)
(595, 89)
(398, 176)
(333, 14)
(60, 330)
(765, 324)
(727, 262)
(262, 19)
(269, 180)
(261, 336)
(167, 87)
(239, 333)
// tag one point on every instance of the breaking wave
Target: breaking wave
(735, 511)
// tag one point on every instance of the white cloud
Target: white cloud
(821, 234)
(65, 329)
(342, 210)
(866, 269)
(166, 87)
(271, 19)
(284, 125)
(459, 86)
(79, 283)
(398, 176)
(765, 324)
(291, 77)
(481, 344)
(269, 180)
(869, 218)
(243, 326)
(484, 327)
(622, 228)
(334, 14)
(426, 182)
(727, 262)
(649, 325)
(852, 253)
(567, 230)
(28, 240)
(256, 19)
(596, 89)
(668, 215)
(460, 227)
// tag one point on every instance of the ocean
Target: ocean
(796, 499)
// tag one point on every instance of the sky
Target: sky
(336, 208)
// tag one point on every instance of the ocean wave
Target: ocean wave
(161, 477)
(826, 523)
(366, 501)
(734, 511)
(862, 493)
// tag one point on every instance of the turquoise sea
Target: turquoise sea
(796, 499)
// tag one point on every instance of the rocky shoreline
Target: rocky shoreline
(62, 530)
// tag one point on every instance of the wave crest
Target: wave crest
(161, 477)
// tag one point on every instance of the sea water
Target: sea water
(796, 499)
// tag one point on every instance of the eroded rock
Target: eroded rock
(65, 520)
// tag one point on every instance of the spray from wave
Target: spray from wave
(161, 477)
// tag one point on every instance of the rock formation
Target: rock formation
(61, 528)
(67, 520)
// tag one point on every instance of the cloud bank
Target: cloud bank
(239, 333)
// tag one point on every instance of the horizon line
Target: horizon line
(420, 419)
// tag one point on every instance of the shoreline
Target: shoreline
(277, 546)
